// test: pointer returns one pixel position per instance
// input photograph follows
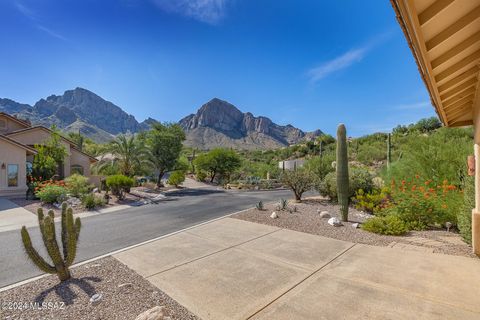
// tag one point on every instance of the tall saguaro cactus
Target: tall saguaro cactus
(69, 235)
(342, 171)
(389, 150)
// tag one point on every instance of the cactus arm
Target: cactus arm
(53, 249)
(64, 230)
(33, 254)
(342, 171)
(71, 239)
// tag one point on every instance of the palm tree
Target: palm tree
(125, 153)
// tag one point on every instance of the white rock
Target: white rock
(334, 222)
(155, 313)
(96, 298)
(95, 190)
(126, 285)
(274, 215)
(325, 214)
(355, 225)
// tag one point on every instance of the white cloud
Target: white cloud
(346, 59)
(30, 14)
(208, 11)
(341, 62)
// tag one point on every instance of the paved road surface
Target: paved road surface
(112, 231)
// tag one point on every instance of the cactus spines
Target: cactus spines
(69, 235)
(342, 171)
(389, 150)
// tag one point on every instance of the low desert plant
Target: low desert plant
(200, 175)
(176, 178)
(77, 185)
(359, 178)
(90, 201)
(260, 206)
(464, 216)
(52, 194)
(372, 202)
(69, 236)
(283, 204)
(388, 225)
(119, 184)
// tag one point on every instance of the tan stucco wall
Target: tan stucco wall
(11, 154)
(11, 125)
(77, 158)
(39, 136)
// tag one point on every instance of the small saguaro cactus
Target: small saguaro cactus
(342, 171)
(70, 233)
(389, 150)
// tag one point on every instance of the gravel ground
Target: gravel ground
(307, 219)
(125, 294)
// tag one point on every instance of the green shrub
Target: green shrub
(176, 178)
(260, 206)
(90, 201)
(464, 216)
(388, 225)
(372, 202)
(201, 175)
(77, 185)
(360, 178)
(119, 184)
(52, 194)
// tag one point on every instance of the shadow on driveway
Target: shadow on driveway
(193, 192)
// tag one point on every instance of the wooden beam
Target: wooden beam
(464, 75)
(456, 50)
(433, 10)
(459, 102)
(453, 28)
(462, 123)
(457, 66)
(459, 111)
(459, 96)
(461, 87)
(452, 117)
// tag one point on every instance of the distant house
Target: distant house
(17, 141)
(291, 164)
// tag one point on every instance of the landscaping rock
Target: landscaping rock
(274, 215)
(335, 222)
(96, 298)
(355, 225)
(325, 215)
(155, 313)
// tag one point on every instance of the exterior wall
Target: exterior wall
(10, 125)
(11, 154)
(77, 158)
(291, 164)
(39, 136)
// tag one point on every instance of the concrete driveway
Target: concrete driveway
(233, 269)
(12, 216)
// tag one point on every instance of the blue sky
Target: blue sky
(312, 64)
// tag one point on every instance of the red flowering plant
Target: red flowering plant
(421, 203)
(39, 184)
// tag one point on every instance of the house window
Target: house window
(12, 175)
(76, 169)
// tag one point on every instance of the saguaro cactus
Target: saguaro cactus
(69, 236)
(342, 171)
(389, 150)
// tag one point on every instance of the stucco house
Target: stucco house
(17, 141)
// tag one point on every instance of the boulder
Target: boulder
(334, 222)
(355, 225)
(274, 215)
(96, 298)
(325, 215)
(155, 313)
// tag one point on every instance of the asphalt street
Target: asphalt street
(116, 230)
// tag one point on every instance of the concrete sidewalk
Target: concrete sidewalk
(12, 216)
(233, 269)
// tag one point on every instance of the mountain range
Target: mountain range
(216, 123)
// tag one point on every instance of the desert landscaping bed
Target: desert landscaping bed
(124, 295)
(307, 219)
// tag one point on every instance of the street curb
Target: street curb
(20, 283)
